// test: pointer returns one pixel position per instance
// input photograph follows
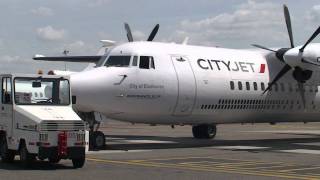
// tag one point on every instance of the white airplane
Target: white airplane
(178, 84)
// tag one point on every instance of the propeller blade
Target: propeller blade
(288, 22)
(262, 47)
(129, 34)
(153, 33)
(301, 90)
(283, 71)
(314, 35)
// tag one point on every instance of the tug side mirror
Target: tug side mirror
(74, 99)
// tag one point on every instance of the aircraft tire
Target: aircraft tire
(99, 140)
(196, 132)
(204, 131)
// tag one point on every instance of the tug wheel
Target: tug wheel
(6, 154)
(78, 162)
(25, 156)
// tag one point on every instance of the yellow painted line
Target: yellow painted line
(177, 158)
(209, 157)
(314, 174)
(300, 169)
(199, 162)
(228, 165)
(232, 170)
(224, 170)
(270, 167)
(137, 160)
(245, 164)
(276, 173)
(261, 168)
(238, 165)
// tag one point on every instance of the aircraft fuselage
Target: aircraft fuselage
(194, 85)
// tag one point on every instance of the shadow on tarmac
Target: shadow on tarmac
(156, 142)
(35, 165)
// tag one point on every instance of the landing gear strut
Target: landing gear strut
(96, 137)
(204, 131)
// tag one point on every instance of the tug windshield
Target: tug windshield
(41, 91)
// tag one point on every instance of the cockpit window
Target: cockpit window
(146, 62)
(118, 61)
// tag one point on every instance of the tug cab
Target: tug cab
(37, 120)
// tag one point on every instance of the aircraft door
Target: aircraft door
(6, 105)
(186, 86)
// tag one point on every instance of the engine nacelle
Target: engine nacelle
(309, 59)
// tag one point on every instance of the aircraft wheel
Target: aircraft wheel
(6, 154)
(204, 131)
(98, 140)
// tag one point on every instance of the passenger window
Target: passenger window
(248, 86)
(255, 86)
(146, 62)
(231, 85)
(239, 85)
(262, 86)
(135, 61)
(6, 91)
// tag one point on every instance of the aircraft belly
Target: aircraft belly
(218, 118)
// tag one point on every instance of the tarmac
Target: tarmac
(135, 152)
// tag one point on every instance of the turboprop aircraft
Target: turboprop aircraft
(179, 84)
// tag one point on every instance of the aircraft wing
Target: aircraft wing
(84, 59)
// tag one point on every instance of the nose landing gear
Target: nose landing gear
(204, 131)
(96, 138)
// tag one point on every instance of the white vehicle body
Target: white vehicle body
(37, 122)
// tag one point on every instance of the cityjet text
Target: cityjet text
(219, 65)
